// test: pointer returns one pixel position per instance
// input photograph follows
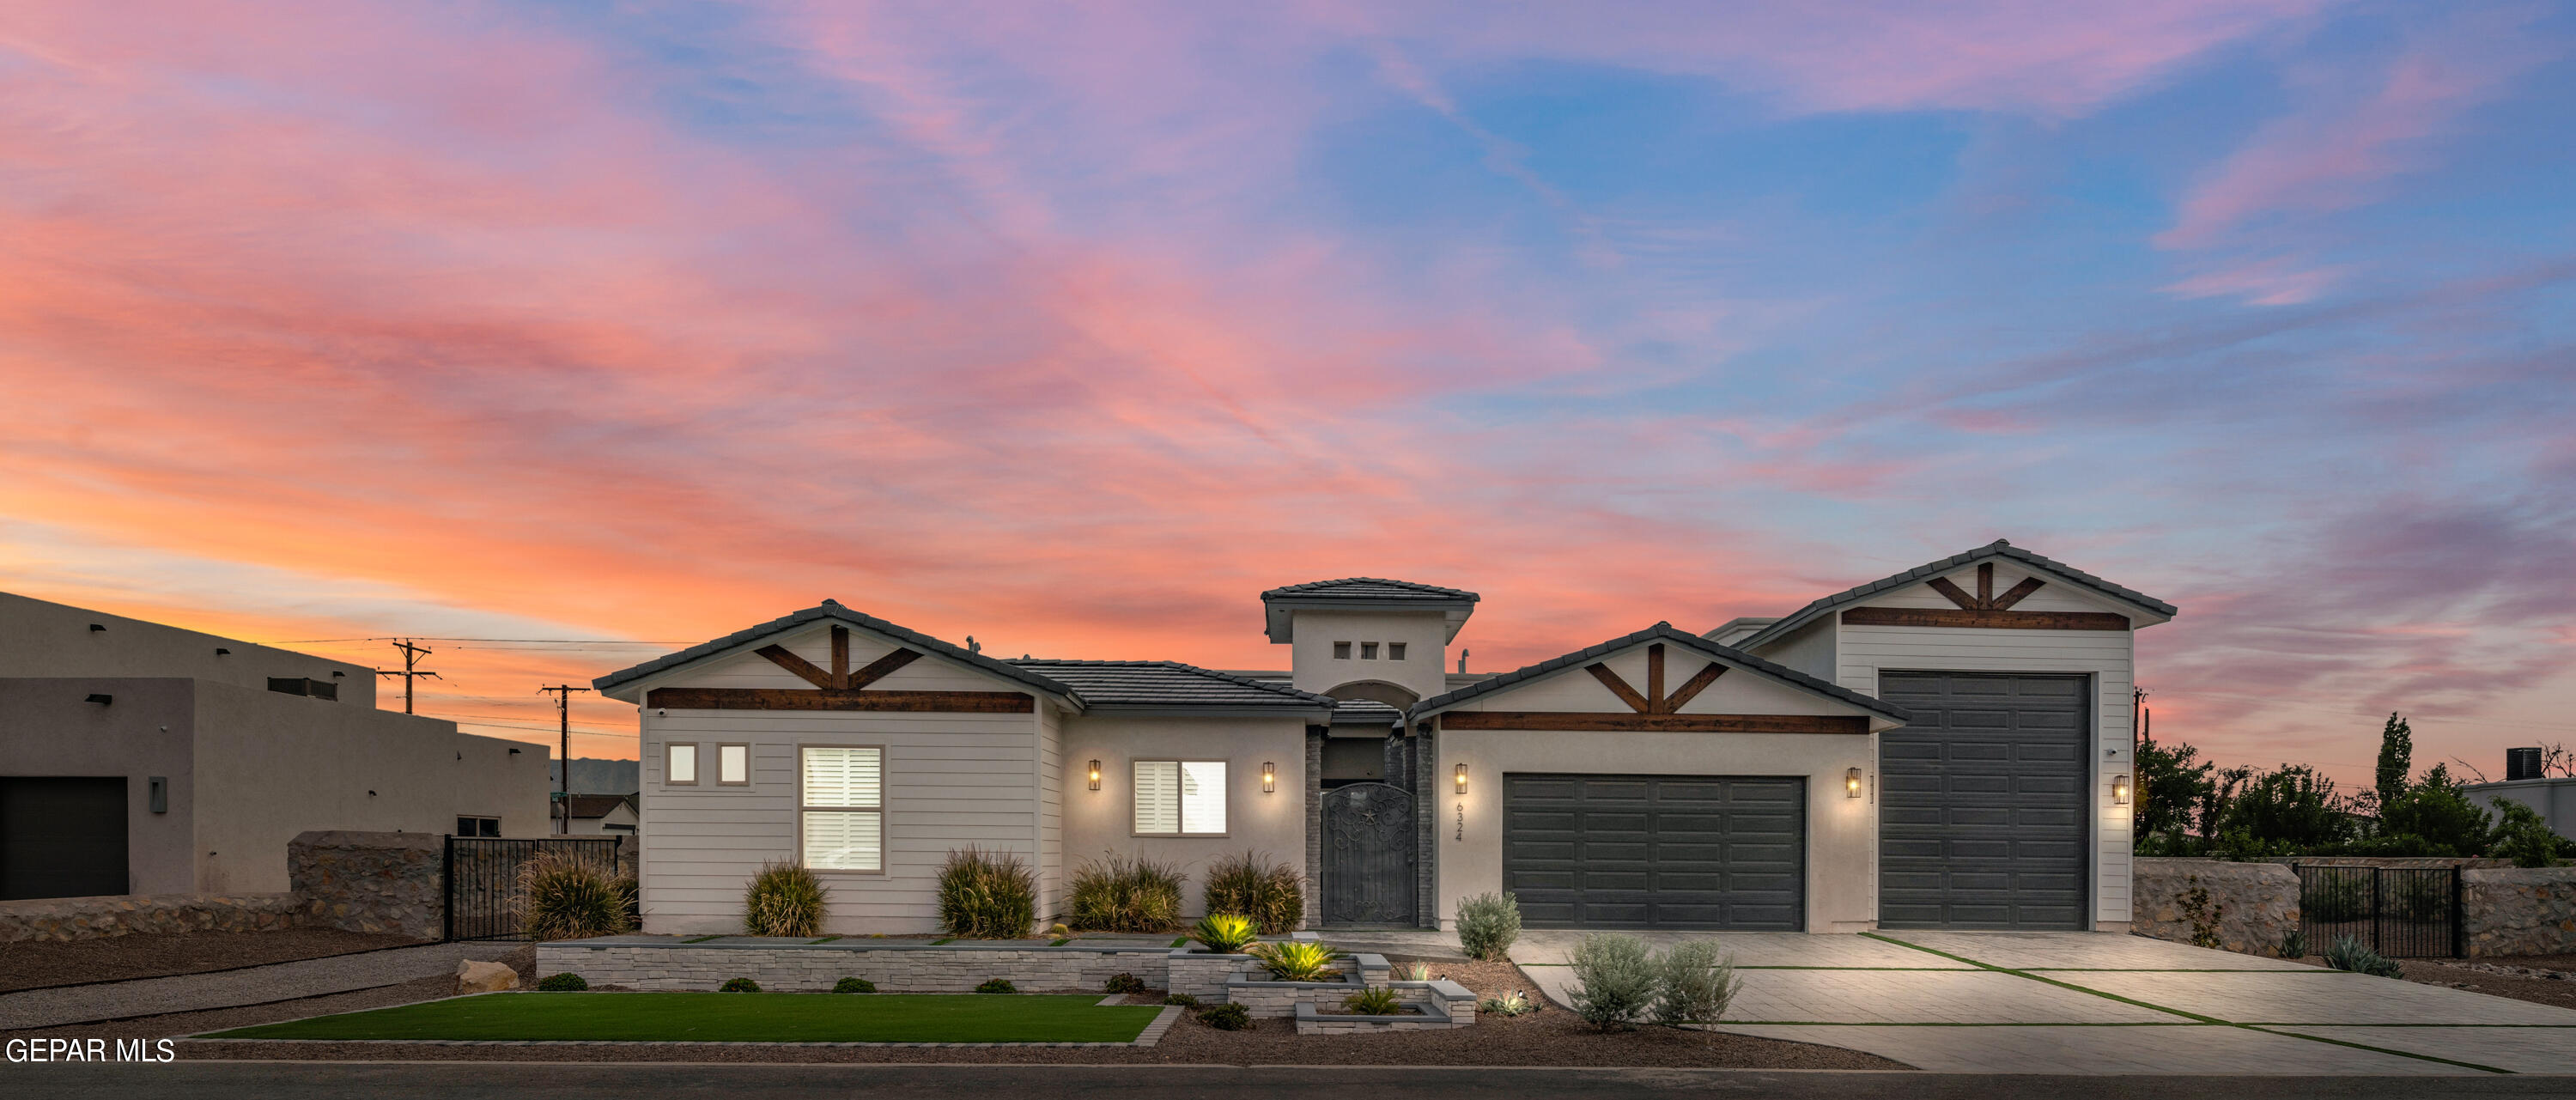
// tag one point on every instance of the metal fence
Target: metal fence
(2400, 912)
(483, 879)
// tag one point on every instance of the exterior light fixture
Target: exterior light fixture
(1851, 783)
(1462, 778)
(2120, 790)
(102, 700)
(1095, 775)
(1269, 777)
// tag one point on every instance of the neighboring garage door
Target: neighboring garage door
(1981, 820)
(1656, 851)
(61, 838)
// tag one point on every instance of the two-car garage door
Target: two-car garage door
(1656, 851)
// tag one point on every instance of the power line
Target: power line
(563, 712)
(411, 675)
(439, 638)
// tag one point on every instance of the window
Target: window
(1180, 798)
(1395, 651)
(1341, 651)
(733, 765)
(1368, 651)
(680, 764)
(289, 685)
(478, 826)
(842, 815)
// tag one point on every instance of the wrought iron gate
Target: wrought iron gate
(482, 876)
(2400, 912)
(1368, 855)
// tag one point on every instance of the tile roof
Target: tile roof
(1365, 712)
(1370, 590)
(832, 610)
(1168, 684)
(1996, 549)
(1663, 632)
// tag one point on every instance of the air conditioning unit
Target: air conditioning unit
(2522, 763)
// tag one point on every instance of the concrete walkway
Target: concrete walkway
(231, 988)
(2087, 1003)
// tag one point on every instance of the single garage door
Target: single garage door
(1981, 817)
(61, 838)
(1656, 851)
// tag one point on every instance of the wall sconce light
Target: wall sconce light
(2120, 790)
(1269, 777)
(1462, 778)
(1851, 783)
(222, 652)
(1095, 775)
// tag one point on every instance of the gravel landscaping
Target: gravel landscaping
(32, 964)
(2535, 989)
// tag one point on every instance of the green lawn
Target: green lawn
(735, 1018)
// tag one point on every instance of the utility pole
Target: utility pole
(563, 713)
(411, 658)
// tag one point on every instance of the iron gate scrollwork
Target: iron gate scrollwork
(1369, 857)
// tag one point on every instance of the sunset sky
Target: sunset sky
(1072, 328)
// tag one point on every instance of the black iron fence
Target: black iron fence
(2400, 912)
(483, 879)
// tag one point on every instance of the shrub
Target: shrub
(564, 898)
(1297, 961)
(2523, 836)
(1696, 982)
(1412, 972)
(1379, 1001)
(1487, 925)
(1618, 980)
(739, 985)
(1513, 1003)
(1272, 894)
(1059, 931)
(1223, 933)
(1227, 1017)
(566, 982)
(2347, 953)
(1125, 983)
(997, 985)
(854, 985)
(987, 895)
(2294, 944)
(1182, 999)
(783, 900)
(1126, 895)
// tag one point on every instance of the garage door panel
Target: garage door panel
(62, 837)
(1694, 852)
(1984, 817)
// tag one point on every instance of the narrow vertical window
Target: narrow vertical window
(733, 765)
(680, 764)
(842, 811)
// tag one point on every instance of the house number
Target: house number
(1462, 821)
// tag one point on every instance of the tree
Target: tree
(2436, 818)
(2396, 759)
(2523, 836)
(2291, 809)
(2173, 785)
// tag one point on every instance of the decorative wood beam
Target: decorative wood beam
(2008, 620)
(2020, 591)
(1619, 688)
(1655, 680)
(877, 669)
(1957, 595)
(1986, 584)
(1653, 723)
(800, 666)
(1692, 687)
(969, 702)
(840, 657)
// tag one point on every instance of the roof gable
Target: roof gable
(1931, 571)
(1674, 639)
(623, 683)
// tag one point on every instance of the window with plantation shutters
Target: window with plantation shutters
(842, 808)
(1180, 797)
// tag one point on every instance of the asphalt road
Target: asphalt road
(478, 1080)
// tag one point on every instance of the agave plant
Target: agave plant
(1298, 961)
(1223, 933)
(1373, 1002)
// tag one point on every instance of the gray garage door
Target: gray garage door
(61, 838)
(1981, 819)
(1656, 851)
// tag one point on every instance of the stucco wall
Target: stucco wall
(41, 638)
(2251, 905)
(1103, 821)
(1424, 633)
(48, 729)
(2554, 798)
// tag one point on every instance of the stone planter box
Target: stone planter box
(905, 966)
(1439, 1004)
(1264, 998)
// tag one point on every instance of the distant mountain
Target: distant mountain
(599, 776)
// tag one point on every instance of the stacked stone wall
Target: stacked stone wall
(2248, 907)
(62, 920)
(388, 883)
(2519, 911)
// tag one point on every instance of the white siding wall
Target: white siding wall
(1050, 864)
(1862, 652)
(950, 780)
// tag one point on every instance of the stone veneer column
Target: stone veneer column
(1426, 828)
(1314, 826)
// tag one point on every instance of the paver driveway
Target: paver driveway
(2081, 1002)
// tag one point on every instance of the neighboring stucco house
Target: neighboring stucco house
(1942, 748)
(139, 758)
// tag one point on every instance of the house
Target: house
(596, 814)
(1947, 747)
(2527, 781)
(138, 758)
